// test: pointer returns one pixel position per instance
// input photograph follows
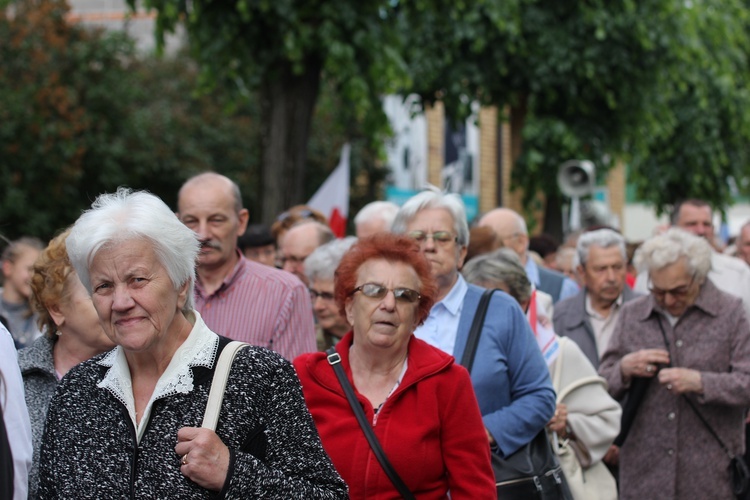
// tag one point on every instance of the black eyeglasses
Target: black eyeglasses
(677, 293)
(439, 237)
(377, 291)
(326, 296)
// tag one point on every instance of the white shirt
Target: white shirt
(199, 349)
(441, 326)
(603, 327)
(15, 414)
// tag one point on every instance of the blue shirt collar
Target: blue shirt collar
(455, 298)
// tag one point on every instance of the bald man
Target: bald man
(238, 298)
(375, 217)
(743, 243)
(299, 242)
(511, 232)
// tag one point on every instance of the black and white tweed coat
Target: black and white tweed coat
(89, 448)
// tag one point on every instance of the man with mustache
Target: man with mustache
(238, 298)
(589, 317)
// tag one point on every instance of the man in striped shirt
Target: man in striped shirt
(238, 298)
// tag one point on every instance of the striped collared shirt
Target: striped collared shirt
(262, 306)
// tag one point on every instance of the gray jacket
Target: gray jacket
(39, 384)
(570, 320)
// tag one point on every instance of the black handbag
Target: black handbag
(533, 471)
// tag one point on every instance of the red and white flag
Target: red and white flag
(332, 198)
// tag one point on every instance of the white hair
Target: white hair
(669, 247)
(604, 238)
(323, 261)
(377, 210)
(430, 199)
(501, 266)
(135, 215)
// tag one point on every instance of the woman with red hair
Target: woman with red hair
(419, 402)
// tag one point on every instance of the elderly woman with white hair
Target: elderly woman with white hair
(691, 342)
(320, 267)
(128, 423)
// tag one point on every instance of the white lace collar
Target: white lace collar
(199, 349)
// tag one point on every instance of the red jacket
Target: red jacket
(430, 428)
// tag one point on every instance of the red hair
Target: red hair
(393, 248)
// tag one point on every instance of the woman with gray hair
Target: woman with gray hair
(127, 423)
(586, 419)
(320, 267)
(689, 344)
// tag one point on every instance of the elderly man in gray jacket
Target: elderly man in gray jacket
(589, 317)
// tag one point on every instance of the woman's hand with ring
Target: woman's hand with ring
(681, 380)
(643, 363)
(208, 463)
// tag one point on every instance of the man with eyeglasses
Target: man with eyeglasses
(236, 297)
(509, 374)
(299, 242)
(511, 232)
(728, 273)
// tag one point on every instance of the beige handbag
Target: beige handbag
(586, 481)
(219, 384)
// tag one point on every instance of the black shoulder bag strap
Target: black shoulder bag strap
(689, 401)
(739, 472)
(470, 351)
(335, 361)
(638, 387)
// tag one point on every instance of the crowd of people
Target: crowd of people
(423, 357)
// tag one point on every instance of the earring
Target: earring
(58, 332)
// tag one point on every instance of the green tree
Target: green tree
(80, 114)
(54, 111)
(577, 76)
(659, 84)
(280, 52)
(701, 148)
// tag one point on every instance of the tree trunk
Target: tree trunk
(553, 222)
(517, 120)
(551, 217)
(287, 106)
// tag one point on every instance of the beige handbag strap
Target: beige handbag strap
(219, 384)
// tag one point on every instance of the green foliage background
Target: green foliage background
(662, 86)
(81, 113)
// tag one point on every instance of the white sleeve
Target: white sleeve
(16, 415)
